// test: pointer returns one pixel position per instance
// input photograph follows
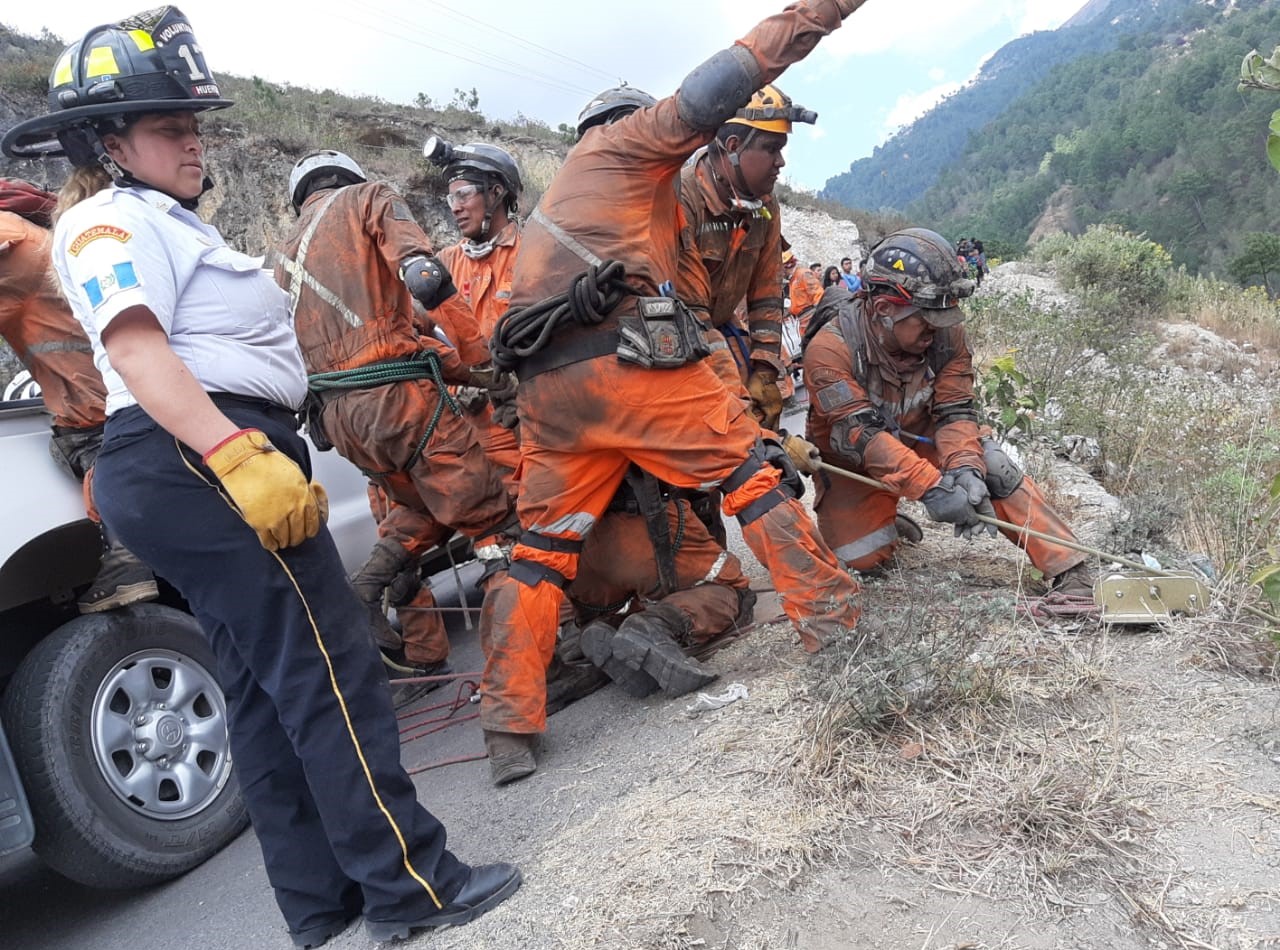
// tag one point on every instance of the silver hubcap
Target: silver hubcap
(159, 729)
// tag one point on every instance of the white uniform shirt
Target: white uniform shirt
(225, 317)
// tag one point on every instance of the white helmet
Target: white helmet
(22, 386)
(325, 161)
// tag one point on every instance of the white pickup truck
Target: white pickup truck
(114, 762)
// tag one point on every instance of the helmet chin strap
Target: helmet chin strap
(121, 177)
(740, 198)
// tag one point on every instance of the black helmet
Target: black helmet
(607, 106)
(920, 267)
(323, 162)
(478, 162)
(150, 62)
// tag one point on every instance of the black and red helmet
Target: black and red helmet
(150, 62)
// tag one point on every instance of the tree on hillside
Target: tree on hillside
(1261, 258)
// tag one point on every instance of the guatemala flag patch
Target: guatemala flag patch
(105, 286)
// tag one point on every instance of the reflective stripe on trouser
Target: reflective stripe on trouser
(857, 521)
(313, 734)
(617, 562)
(581, 425)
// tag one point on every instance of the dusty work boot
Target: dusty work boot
(510, 755)
(908, 529)
(647, 642)
(122, 579)
(1075, 581)
(399, 667)
(597, 646)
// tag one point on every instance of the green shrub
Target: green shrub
(1117, 274)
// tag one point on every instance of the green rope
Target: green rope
(423, 365)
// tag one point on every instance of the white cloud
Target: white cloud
(913, 105)
(937, 74)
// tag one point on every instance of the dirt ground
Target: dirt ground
(1060, 785)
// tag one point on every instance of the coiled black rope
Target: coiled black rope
(592, 296)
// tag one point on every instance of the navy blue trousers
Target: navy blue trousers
(313, 733)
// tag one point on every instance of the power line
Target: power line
(521, 40)
(490, 61)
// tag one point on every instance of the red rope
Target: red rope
(1054, 606)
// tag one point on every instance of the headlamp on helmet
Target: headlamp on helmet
(771, 110)
(919, 267)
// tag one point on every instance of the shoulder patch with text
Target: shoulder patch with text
(96, 232)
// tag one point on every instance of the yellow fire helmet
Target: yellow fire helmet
(771, 110)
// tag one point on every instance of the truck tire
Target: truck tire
(119, 729)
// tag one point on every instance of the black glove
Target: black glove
(428, 281)
(971, 482)
(947, 503)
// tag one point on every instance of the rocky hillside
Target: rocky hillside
(252, 147)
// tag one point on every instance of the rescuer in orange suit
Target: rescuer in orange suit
(805, 290)
(891, 382)
(653, 584)
(484, 191)
(353, 265)
(37, 323)
(733, 224)
(611, 373)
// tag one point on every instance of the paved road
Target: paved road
(226, 903)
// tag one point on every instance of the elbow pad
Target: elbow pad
(714, 91)
(428, 281)
(955, 412)
(870, 421)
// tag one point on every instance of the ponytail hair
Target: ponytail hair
(85, 182)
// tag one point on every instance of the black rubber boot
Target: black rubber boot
(597, 646)
(122, 579)
(647, 642)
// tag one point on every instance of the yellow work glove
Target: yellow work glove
(766, 400)
(269, 489)
(803, 453)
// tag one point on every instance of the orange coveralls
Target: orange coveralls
(426, 641)
(351, 310)
(37, 323)
(584, 422)
(858, 520)
(618, 563)
(806, 293)
(727, 257)
(484, 283)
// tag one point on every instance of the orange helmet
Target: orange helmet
(771, 110)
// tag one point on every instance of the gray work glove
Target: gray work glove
(971, 482)
(948, 503)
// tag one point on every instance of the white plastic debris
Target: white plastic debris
(705, 702)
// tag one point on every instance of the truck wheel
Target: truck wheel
(119, 730)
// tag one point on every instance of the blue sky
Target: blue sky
(889, 63)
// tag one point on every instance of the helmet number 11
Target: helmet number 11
(185, 52)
